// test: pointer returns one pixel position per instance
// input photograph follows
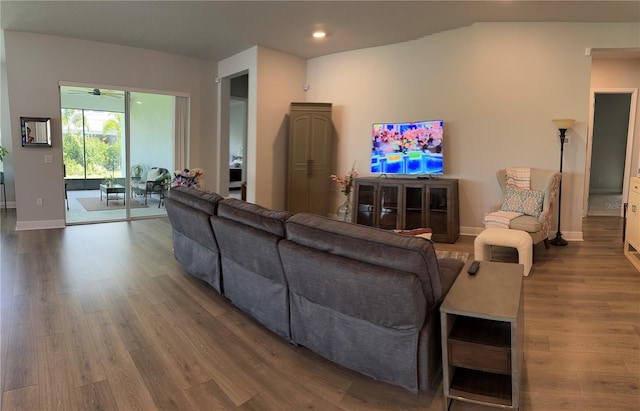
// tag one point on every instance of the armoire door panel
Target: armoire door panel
(310, 131)
(320, 139)
(300, 134)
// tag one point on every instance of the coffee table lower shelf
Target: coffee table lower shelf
(481, 386)
(482, 332)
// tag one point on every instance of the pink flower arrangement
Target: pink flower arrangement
(345, 182)
(186, 178)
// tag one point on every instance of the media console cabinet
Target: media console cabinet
(408, 203)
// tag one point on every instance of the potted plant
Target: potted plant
(109, 181)
(167, 179)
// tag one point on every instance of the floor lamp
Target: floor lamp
(563, 124)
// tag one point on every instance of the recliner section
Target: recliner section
(194, 244)
(254, 281)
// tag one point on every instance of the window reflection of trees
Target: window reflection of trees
(92, 142)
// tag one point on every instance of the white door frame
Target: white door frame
(630, 134)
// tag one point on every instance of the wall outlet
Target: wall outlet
(39, 202)
(48, 159)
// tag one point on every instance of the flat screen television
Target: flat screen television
(407, 148)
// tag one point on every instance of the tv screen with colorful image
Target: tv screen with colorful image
(407, 148)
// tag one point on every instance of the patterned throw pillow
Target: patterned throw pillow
(528, 202)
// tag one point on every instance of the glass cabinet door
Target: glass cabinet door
(408, 204)
(413, 208)
(438, 210)
(365, 200)
(388, 207)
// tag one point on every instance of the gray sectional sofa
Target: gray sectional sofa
(362, 297)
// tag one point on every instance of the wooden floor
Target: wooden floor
(101, 317)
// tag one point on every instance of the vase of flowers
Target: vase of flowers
(344, 211)
(346, 184)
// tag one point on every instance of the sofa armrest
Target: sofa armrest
(450, 268)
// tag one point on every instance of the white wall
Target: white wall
(275, 80)
(280, 80)
(35, 66)
(496, 85)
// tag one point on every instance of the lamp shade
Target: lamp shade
(563, 123)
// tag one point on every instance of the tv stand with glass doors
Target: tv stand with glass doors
(408, 203)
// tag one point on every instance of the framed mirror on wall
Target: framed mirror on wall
(36, 131)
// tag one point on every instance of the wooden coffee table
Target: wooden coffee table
(113, 189)
(482, 336)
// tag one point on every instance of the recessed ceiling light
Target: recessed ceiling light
(319, 34)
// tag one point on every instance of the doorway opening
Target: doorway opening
(233, 143)
(609, 161)
(238, 101)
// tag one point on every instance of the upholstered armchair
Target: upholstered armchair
(544, 181)
(154, 184)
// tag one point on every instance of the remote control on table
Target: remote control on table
(473, 268)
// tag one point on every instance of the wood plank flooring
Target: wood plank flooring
(102, 317)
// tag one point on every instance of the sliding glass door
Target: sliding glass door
(151, 148)
(118, 150)
(94, 153)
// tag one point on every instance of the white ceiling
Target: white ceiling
(215, 30)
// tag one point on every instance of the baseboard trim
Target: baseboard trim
(10, 204)
(39, 225)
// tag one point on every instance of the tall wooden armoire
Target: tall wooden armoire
(310, 140)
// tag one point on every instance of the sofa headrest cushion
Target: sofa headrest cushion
(253, 215)
(200, 200)
(370, 245)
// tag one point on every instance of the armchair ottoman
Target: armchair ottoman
(506, 237)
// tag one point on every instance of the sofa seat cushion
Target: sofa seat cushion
(526, 223)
